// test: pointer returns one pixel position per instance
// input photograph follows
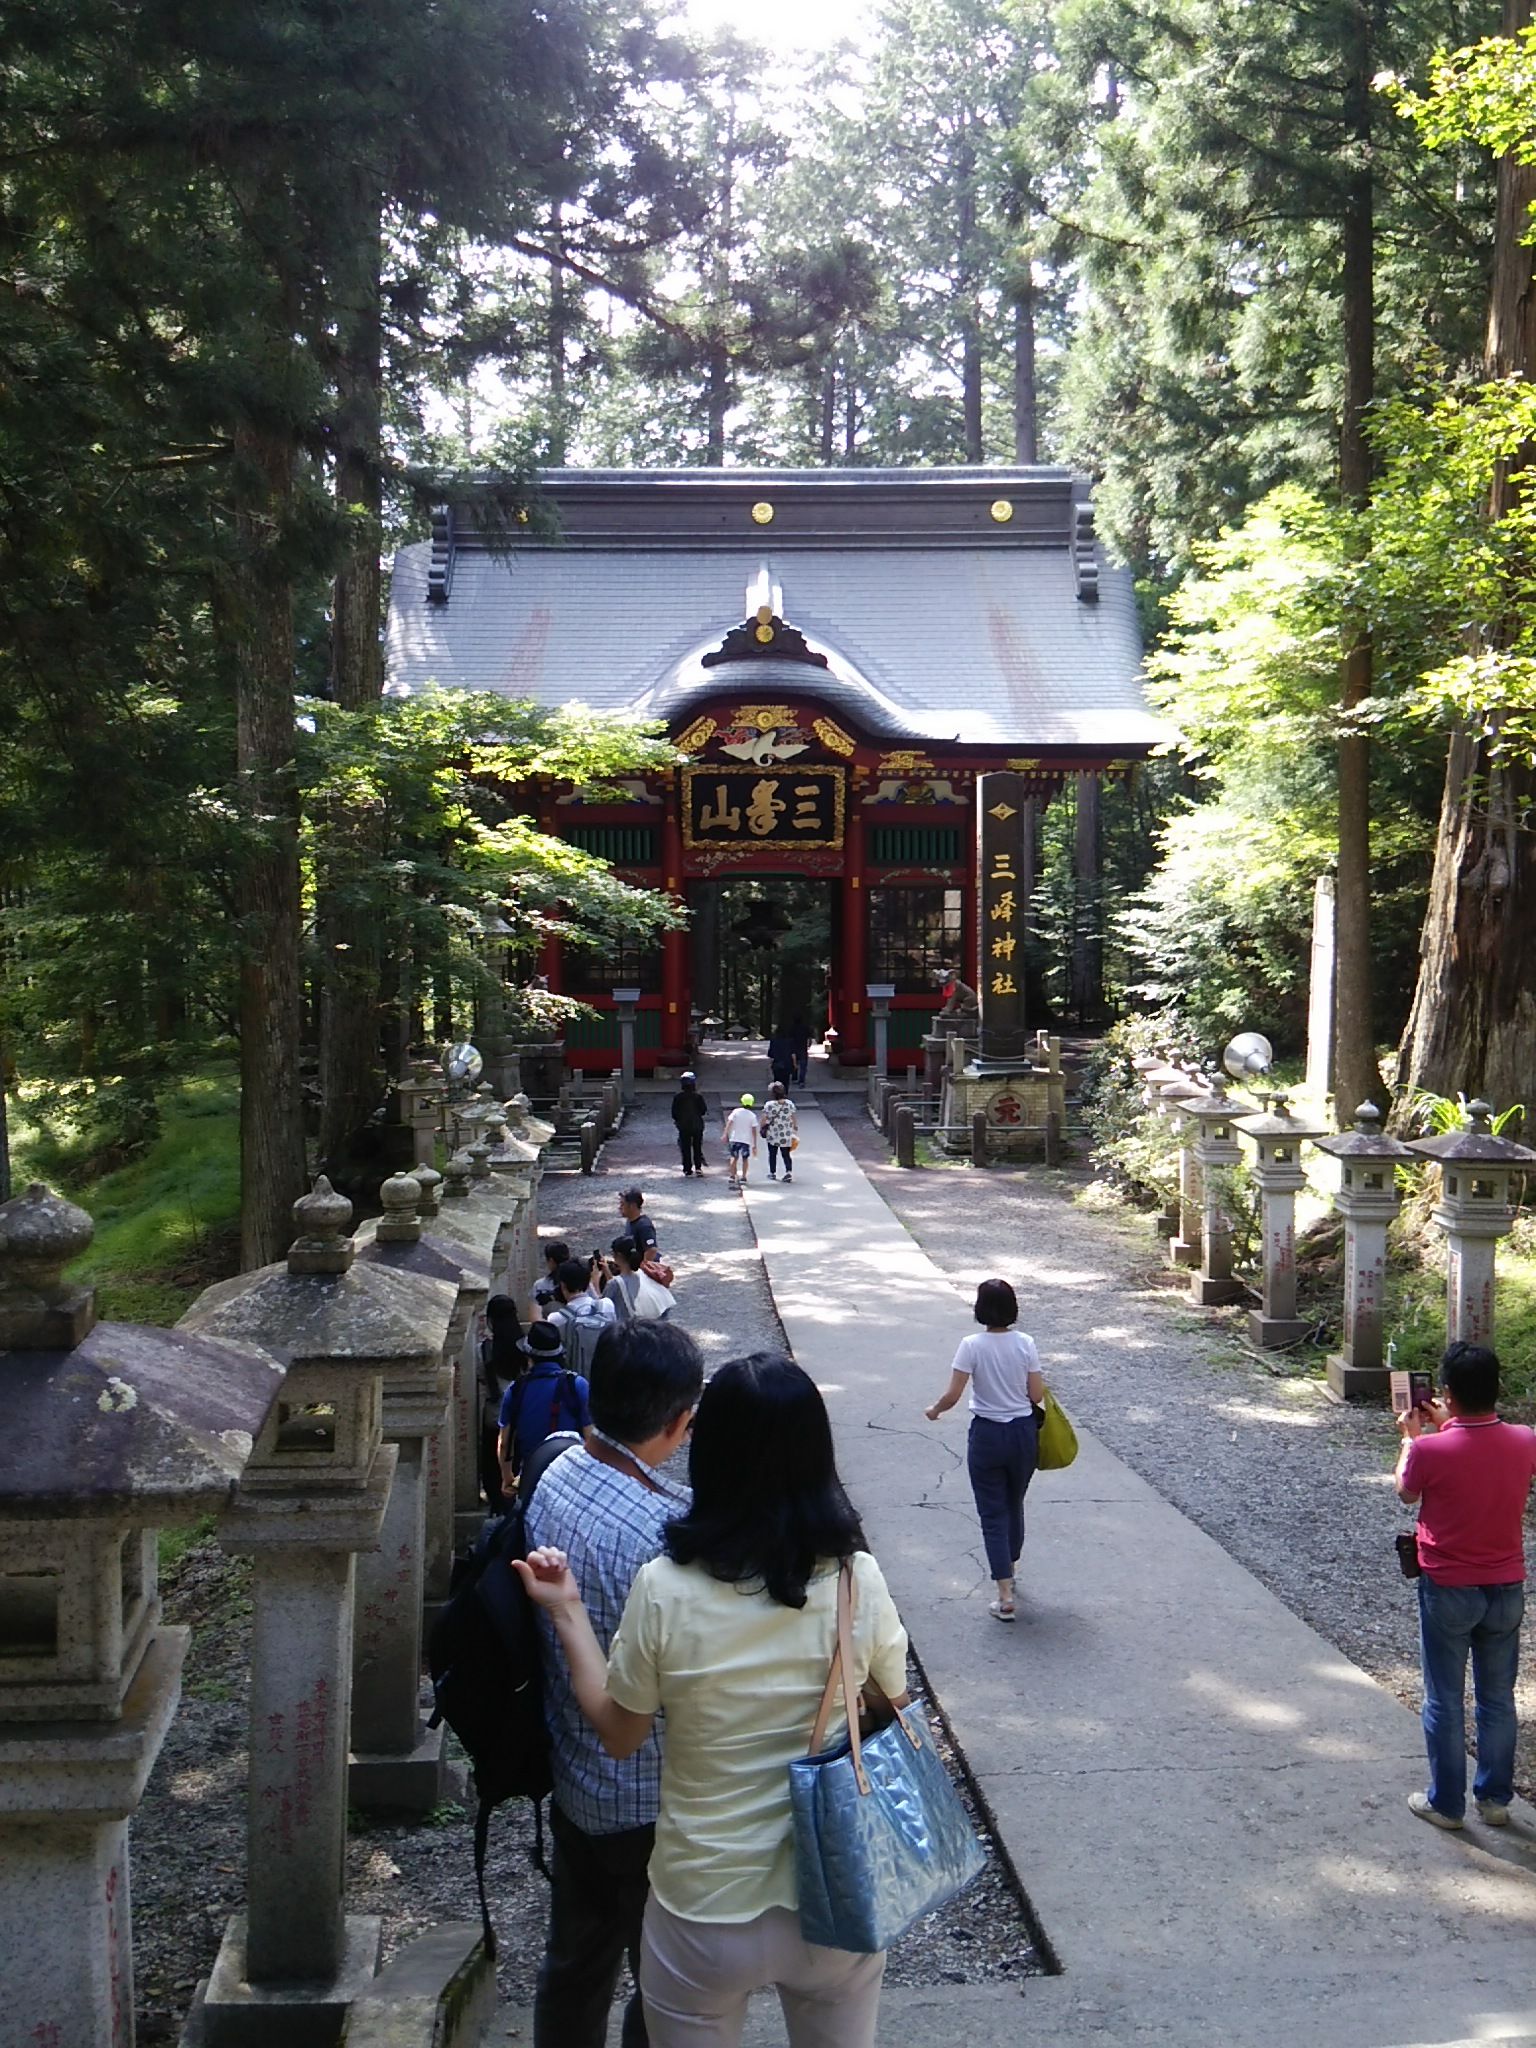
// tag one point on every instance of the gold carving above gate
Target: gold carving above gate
(749, 808)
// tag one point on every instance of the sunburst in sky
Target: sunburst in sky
(785, 24)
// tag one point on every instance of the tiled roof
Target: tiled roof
(933, 632)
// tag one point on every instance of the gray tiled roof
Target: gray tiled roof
(987, 644)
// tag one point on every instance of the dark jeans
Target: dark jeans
(690, 1145)
(597, 1894)
(1000, 1458)
(1483, 1622)
(773, 1159)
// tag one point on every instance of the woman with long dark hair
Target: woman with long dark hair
(731, 1634)
(501, 1362)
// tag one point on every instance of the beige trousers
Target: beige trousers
(696, 1977)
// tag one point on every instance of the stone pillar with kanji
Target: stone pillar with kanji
(1002, 894)
(314, 1494)
(1368, 1198)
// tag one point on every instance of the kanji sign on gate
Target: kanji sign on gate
(1002, 899)
(762, 807)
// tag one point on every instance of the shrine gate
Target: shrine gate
(838, 654)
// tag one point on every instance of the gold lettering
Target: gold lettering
(724, 816)
(1002, 910)
(1003, 948)
(766, 807)
(1004, 985)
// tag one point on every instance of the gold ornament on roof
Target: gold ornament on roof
(762, 513)
(832, 737)
(1002, 510)
(699, 734)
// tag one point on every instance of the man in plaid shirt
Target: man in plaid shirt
(605, 1505)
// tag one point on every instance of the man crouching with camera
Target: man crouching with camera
(1470, 1474)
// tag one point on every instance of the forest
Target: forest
(274, 276)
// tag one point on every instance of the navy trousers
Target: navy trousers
(1000, 1458)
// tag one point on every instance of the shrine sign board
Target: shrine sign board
(1004, 869)
(779, 807)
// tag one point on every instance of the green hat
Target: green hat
(749, 1102)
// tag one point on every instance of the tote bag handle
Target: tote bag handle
(841, 1674)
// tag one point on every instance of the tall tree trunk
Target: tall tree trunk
(347, 919)
(1356, 1076)
(966, 278)
(1026, 411)
(559, 325)
(1473, 1022)
(259, 620)
(827, 431)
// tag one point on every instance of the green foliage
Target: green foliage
(1484, 93)
(1135, 1150)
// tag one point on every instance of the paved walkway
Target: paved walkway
(1203, 1799)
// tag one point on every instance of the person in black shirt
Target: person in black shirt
(689, 1111)
(636, 1223)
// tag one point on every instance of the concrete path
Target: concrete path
(1204, 1800)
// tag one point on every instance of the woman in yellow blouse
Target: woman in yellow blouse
(730, 1634)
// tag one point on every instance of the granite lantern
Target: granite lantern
(880, 995)
(1215, 1149)
(112, 1433)
(1367, 1198)
(1277, 1138)
(314, 1494)
(397, 1762)
(1172, 1093)
(420, 1101)
(626, 1001)
(402, 1242)
(1478, 1176)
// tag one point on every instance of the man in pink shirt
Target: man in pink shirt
(1470, 1474)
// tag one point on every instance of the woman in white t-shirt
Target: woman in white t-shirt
(1002, 1368)
(730, 1633)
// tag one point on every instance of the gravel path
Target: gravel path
(1294, 1486)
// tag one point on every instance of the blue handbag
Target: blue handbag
(881, 1837)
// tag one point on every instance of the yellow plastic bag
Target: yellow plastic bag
(1057, 1438)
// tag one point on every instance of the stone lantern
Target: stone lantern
(535, 1130)
(1277, 1138)
(112, 1432)
(1215, 1148)
(420, 1104)
(1367, 1199)
(626, 1002)
(314, 1494)
(1478, 1173)
(405, 1240)
(1172, 1089)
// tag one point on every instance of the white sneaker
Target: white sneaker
(1418, 1802)
(1492, 1814)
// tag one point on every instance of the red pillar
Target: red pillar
(853, 1024)
(675, 999)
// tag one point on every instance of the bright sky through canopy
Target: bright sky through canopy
(785, 24)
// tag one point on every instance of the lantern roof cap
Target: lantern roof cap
(1368, 1139)
(155, 1423)
(1475, 1145)
(1276, 1121)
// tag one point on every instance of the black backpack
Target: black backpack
(487, 1681)
(579, 1336)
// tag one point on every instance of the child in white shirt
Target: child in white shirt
(739, 1134)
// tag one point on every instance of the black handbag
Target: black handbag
(1407, 1545)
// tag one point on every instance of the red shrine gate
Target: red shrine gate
(937, 624)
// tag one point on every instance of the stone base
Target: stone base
(1214, 1293)
(1273, 1333)
(1029, 1097)
(1165, 1226)
(415, 1781)
(1184, 1252)
(440, 1988)
(1347, 1382)
(230, 2012)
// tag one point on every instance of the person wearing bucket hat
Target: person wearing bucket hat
(690, 1113)
(739, 1134)
(544, 1398)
